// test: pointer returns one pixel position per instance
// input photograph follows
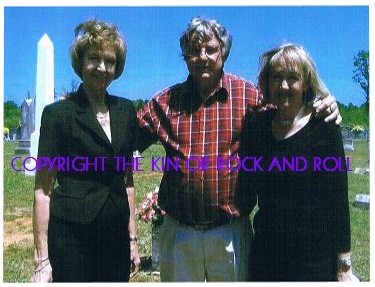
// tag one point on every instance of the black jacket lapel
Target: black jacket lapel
(117, 113)
(85, 117)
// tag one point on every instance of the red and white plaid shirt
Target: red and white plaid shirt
(198, 134)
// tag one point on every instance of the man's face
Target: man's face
(205, 63)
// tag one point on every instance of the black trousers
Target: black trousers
(276, 260)
(93, 252)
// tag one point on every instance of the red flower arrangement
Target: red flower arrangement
(149, 209)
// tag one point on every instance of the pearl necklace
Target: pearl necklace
(289, 122)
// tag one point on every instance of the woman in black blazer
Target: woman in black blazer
(84, 226)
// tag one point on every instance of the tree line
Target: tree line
(352, 115)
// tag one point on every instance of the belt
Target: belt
(202, 226)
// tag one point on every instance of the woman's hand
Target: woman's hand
(42, 272)
(344, 271)
(135, 261)
(346, 276)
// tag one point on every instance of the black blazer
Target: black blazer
(71, 135)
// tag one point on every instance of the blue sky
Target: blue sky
(332, 34)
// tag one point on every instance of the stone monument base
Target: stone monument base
(34, 140)
(22, 147)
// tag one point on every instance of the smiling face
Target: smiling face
(286, 88)
(98, 69)
(205, 63)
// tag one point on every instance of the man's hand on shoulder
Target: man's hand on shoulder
(329, 109)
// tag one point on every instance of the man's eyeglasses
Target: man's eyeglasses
(208, 51)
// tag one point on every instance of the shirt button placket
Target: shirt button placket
(202, 125)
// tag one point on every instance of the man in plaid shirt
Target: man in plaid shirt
(206, 233)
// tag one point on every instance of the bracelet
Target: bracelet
(41, 263)
(133, 238)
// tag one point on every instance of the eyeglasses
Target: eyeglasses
(207, 50)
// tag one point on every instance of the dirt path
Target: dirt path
(18, 231)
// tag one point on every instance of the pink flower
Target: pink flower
(149, 209)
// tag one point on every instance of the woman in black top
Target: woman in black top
(302, 228)
(84, 227)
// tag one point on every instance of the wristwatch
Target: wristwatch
(344, 264)
(133, 238)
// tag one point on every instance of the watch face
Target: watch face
(344, 264)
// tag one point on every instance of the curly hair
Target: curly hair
(96, 32)
(202, 29)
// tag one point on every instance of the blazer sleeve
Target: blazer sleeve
(50, 132)
(334, 183)
(246, 196)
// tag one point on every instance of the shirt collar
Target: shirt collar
(220, 94)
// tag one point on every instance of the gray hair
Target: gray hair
(295, 56)
(202, 29)
(95, 32)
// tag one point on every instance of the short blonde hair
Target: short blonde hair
(295, 56)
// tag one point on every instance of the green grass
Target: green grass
(18, 200)
(18, 264)
(360, 218)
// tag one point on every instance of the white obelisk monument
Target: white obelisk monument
(45, 83)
